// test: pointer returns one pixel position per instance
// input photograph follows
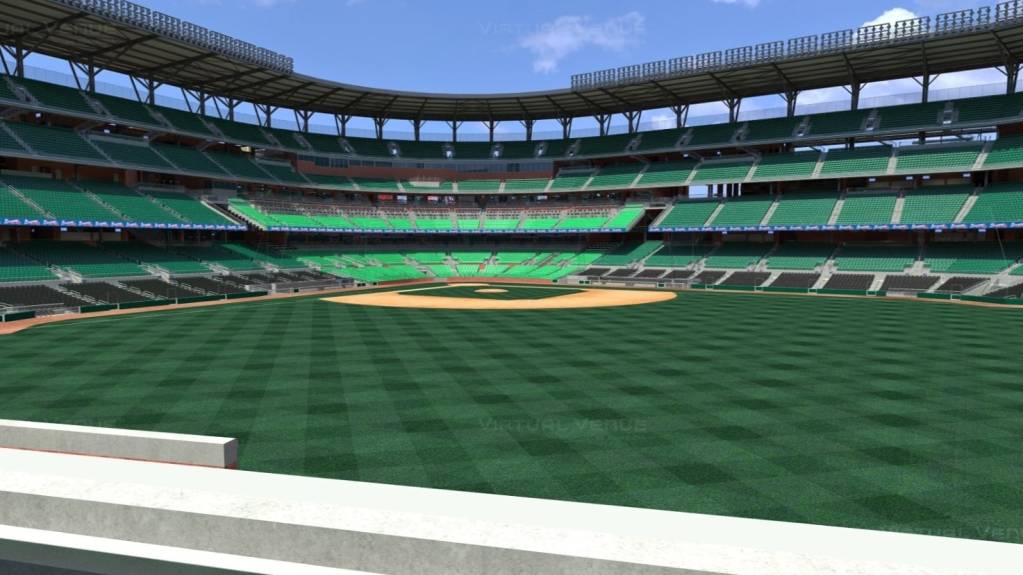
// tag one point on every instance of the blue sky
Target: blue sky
(502, 46)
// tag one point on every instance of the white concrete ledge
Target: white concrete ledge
(120, 443)
(410, 531)
(49, 550)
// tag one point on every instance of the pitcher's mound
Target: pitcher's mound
(491, 290)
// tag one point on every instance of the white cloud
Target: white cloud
(569, 34)
(747, 3)
(891, 16)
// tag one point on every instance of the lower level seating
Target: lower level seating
(709, 277)
(1013, 292)
(909, 283)
(796, 280)
(106, 293)
(161, 289)
(37, 295)
(210, 285)
(621, 273)
(853, 282)
(746, 279)
(595, 272)
(678, 275)
(15, 268)
(959, 284)
(650, 274)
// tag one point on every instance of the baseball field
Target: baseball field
(871, 413)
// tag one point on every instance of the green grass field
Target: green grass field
(864, 413)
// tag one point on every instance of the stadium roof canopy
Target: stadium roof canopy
(127, 38)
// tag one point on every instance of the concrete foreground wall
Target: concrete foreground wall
(410, 531)
(120, 443)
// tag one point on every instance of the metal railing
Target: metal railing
(868, 36)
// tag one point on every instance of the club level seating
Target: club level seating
(934, 205)
(997, 203)
(283, 173)
(220, 256)
(744, 211)
(909, 283)
(479, 185)
(37, 295)
(17, 268)
(746, 279)
(628, 253)
(664, 174)
(61, 200)
(151, 255)
(677, 256)
(934, 158)
(689, 214)
(160, 289)
(723, 171)
(800, 165)
(570, 181)
(615, 176)
(13, 207)
(804, 209)
(875, 258)
(239, 166)
(83, 259)
(106, 293)
(625, 217)
(799, 256)
(54, 141)
(129, 204)
(708, 277)
(959, 284)
(471, 257)
(189, 159)
(863, 160)
(851, 282)
(736, 255)
(1006, 151)
(132, 153)
(796, 280)
(8, 143)
(867, 208)
(191, 209)
(971, 258)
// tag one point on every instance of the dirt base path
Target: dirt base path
(585, 299)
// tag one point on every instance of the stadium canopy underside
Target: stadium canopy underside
(63, 29)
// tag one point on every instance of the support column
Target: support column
(491, 127)
(925, 82)
(267, 112)
(681, 115)
(341, 123)
(1011, 72)
(18, 54)
(302, 118)
(633, 118)
(566, 127)
(148, 93)
(379, 124)
(417, 127)
(454, 125)
(89, 71)
(854, 90)
(528, 125)
(604, 122)
(790, 98)
(734, 105)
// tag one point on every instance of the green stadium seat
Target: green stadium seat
(938, 205)
(479, 185)
(189, 159)
(628, 253)
(743, 212)
(184, 121)
(998, 203)
(618, 177)
(867, 208)
(798, 256)
(936, 159)
(773, 129)
(712, 135)
(837, 123)
(689, 214)
(191, 209)
(774, 167)
(239, 131)
(911, 116)
(525, 185)
(56, 96)
(736, 255)
(54, 141)
(723, 171)
(804, 209)
(16, 268)
(133, 206)
(875, 258)
(867, 160)
(80, 258)
(61, 200)
(131, 153)
(660, 139)
(982, 258)
(1005, 152)
(127, 111)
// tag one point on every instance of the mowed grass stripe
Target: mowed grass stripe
(859, 413)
